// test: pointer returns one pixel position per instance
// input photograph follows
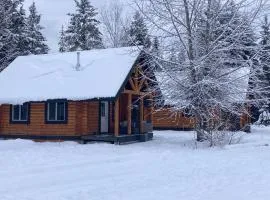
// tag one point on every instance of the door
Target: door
(135, 117)
(104, 117)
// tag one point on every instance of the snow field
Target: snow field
(169, 167)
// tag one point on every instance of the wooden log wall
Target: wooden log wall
(164, 119)
(82, 120)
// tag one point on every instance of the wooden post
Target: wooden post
(141, 115)
(116, 118)
(129, 107)
(152, 109)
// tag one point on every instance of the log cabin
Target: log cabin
(166, 119)
(95, 95)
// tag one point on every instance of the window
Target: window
(56, 112)
(20, 113)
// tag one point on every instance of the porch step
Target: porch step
(117, 139)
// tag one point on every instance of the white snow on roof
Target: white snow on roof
(53, 76)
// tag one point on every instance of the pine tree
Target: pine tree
(13, 40)
(83, 32)
(21, 27)
(37, 44)
(138, 31)
(265, 55)
(62, 41)
(156, 54)
(6, 36)
(239, 36)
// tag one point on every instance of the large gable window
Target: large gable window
(56, 112)
(20, 113)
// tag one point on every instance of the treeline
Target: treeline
(20, 34)
(83, 31)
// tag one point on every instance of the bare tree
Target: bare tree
(217, 41)
(115, 24)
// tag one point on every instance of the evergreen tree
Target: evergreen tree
(156, 54)
(19, 35)
(239, 36)
(83, 32)
(13, 40)
(236, 43)
(265, 56)
(6, 36)
(21, 27)
(62, 41)
(138, 31)
(37, 44)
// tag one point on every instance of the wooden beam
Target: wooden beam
(141, 115)
(141, 83)
(134, 92)
(136, 79)
(132, 84)
(152, 109)
(116, 118)
(129, 107)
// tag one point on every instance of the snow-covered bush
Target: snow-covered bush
(264, 117)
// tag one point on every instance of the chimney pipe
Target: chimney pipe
(78, 66)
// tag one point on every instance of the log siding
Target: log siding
(82, 120)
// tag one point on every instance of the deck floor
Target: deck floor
(117, 139)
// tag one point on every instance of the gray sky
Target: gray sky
(54, 14)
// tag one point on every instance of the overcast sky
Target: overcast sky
(54, 14)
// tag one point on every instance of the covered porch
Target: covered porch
(132, 114)
(128, 119)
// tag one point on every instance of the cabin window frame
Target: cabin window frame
(19, 120)
(56, 119)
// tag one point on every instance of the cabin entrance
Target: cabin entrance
(104, 116)
(135, 117)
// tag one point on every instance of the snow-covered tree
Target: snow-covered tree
(154, 52)
(21, 28)
(265, 55)
(82, 32)
(62, 41)
(264, 117)
(220, 56)
(156, 47)
(5, 34)
(265, 32)
(37, 44)
(138, 32)
(13, 28)
(115, 24)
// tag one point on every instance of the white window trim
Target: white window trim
(55, 119)
(20, 114)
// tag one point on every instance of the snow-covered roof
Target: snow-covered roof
(54, 76)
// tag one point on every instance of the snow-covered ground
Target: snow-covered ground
(169, 167)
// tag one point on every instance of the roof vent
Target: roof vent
(78, 66)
